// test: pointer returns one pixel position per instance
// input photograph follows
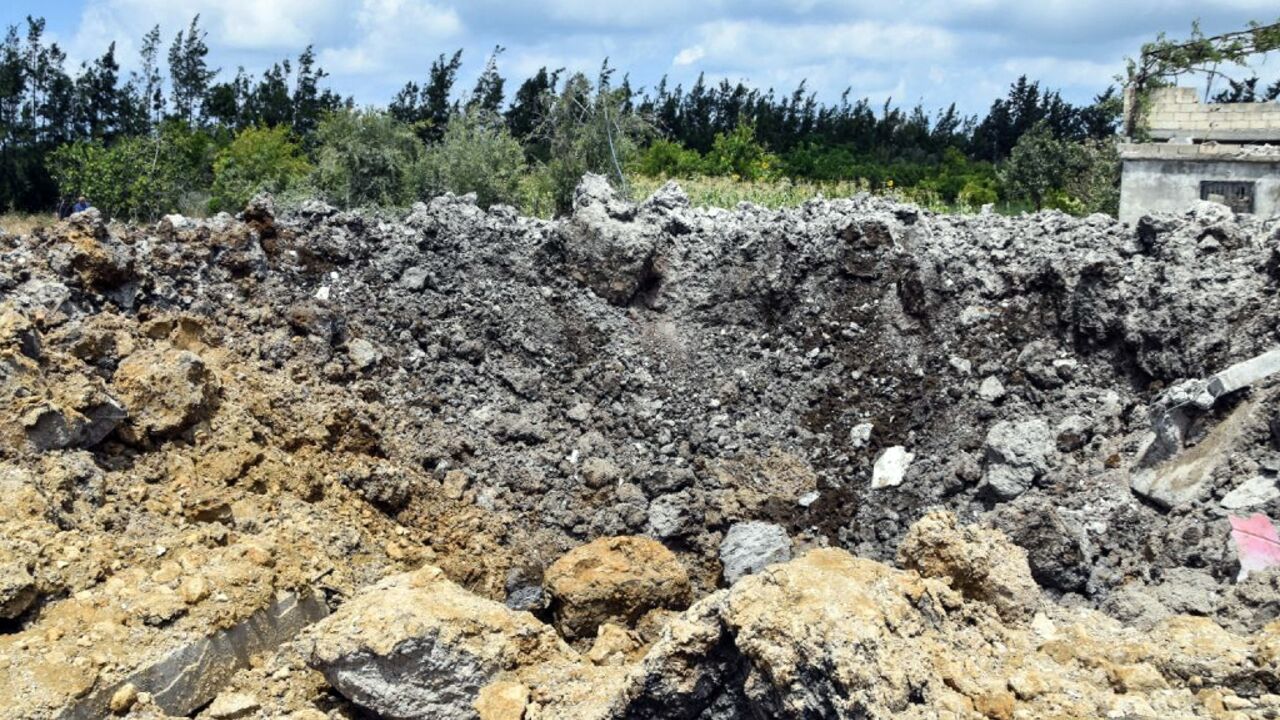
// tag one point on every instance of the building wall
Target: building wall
(1176, 112)
(1154, 185)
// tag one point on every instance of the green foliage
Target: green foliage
(739, 154)
(477, 154)
(667, 159)
(1078, 177)
(365, 158)
(258, 160)
(133, 179)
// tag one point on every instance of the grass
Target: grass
(727, 192)
(25, 223)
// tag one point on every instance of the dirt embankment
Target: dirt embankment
(214, 434)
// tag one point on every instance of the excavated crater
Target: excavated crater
(851, 459)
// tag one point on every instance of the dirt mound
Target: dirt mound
(213, 433)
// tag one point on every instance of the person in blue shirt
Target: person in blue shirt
(82, 204)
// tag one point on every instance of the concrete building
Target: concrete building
(1227, 153)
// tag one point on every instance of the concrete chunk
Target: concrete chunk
(1244, 374)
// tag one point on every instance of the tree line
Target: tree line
(179, 134)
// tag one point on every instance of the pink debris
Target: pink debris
(1257, 544)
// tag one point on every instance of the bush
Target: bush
(133, 179)
(136, 178)
(257, 160)
(1077, 177)
(366, 158)
(476, 154)
(667, 159)
(739, 154)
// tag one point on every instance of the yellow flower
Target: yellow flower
(889, 183)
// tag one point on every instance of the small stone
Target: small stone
(1073, 433)
(614, 579)
(991, 389)
(230, 706)
(193, 589)
(414, 279)
(749, 547)
(1017, 454)
(579, 413)
(362, 353)
(600, 472)
(891, 467)
(502, 700)
(123, 698)
(860, 435)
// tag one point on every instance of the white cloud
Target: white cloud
(393, 34)
(689, 55)
(755, 44)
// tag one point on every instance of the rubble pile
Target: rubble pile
(852, 459)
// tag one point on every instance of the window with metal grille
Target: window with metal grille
(1236, 195)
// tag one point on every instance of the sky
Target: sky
(933, 52)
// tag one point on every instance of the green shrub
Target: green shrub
(366, 158)
(476, 154)
(667, 159)
(134, 179)
(257, 160)
(739, 154)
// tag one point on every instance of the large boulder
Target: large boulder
(418, 646)
(607, 249)
(165, 391)
(614, 579)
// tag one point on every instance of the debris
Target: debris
(1257, 490)
(1257, 545)
(979, 563)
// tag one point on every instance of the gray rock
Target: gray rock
(674, 515)
(1073, 433)
(749, 547)
(860, 435)
(1258, 490)
(186, 679)
(991, 389)
(415, 278)
(363, 353)
(1017, 454)
(600, 472)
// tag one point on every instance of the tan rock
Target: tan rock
(417, 645)
(980, 563)
(123, 699)
(614, 645)
(503, 700)
(615, 579)
(232, 706)
(164, 391)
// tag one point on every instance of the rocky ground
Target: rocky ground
(847, 460)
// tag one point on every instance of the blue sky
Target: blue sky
(930, 51)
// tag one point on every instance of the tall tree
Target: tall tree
(435, 106)
(488, 92)
(189, 73)
(100, 102)
(147, 84)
